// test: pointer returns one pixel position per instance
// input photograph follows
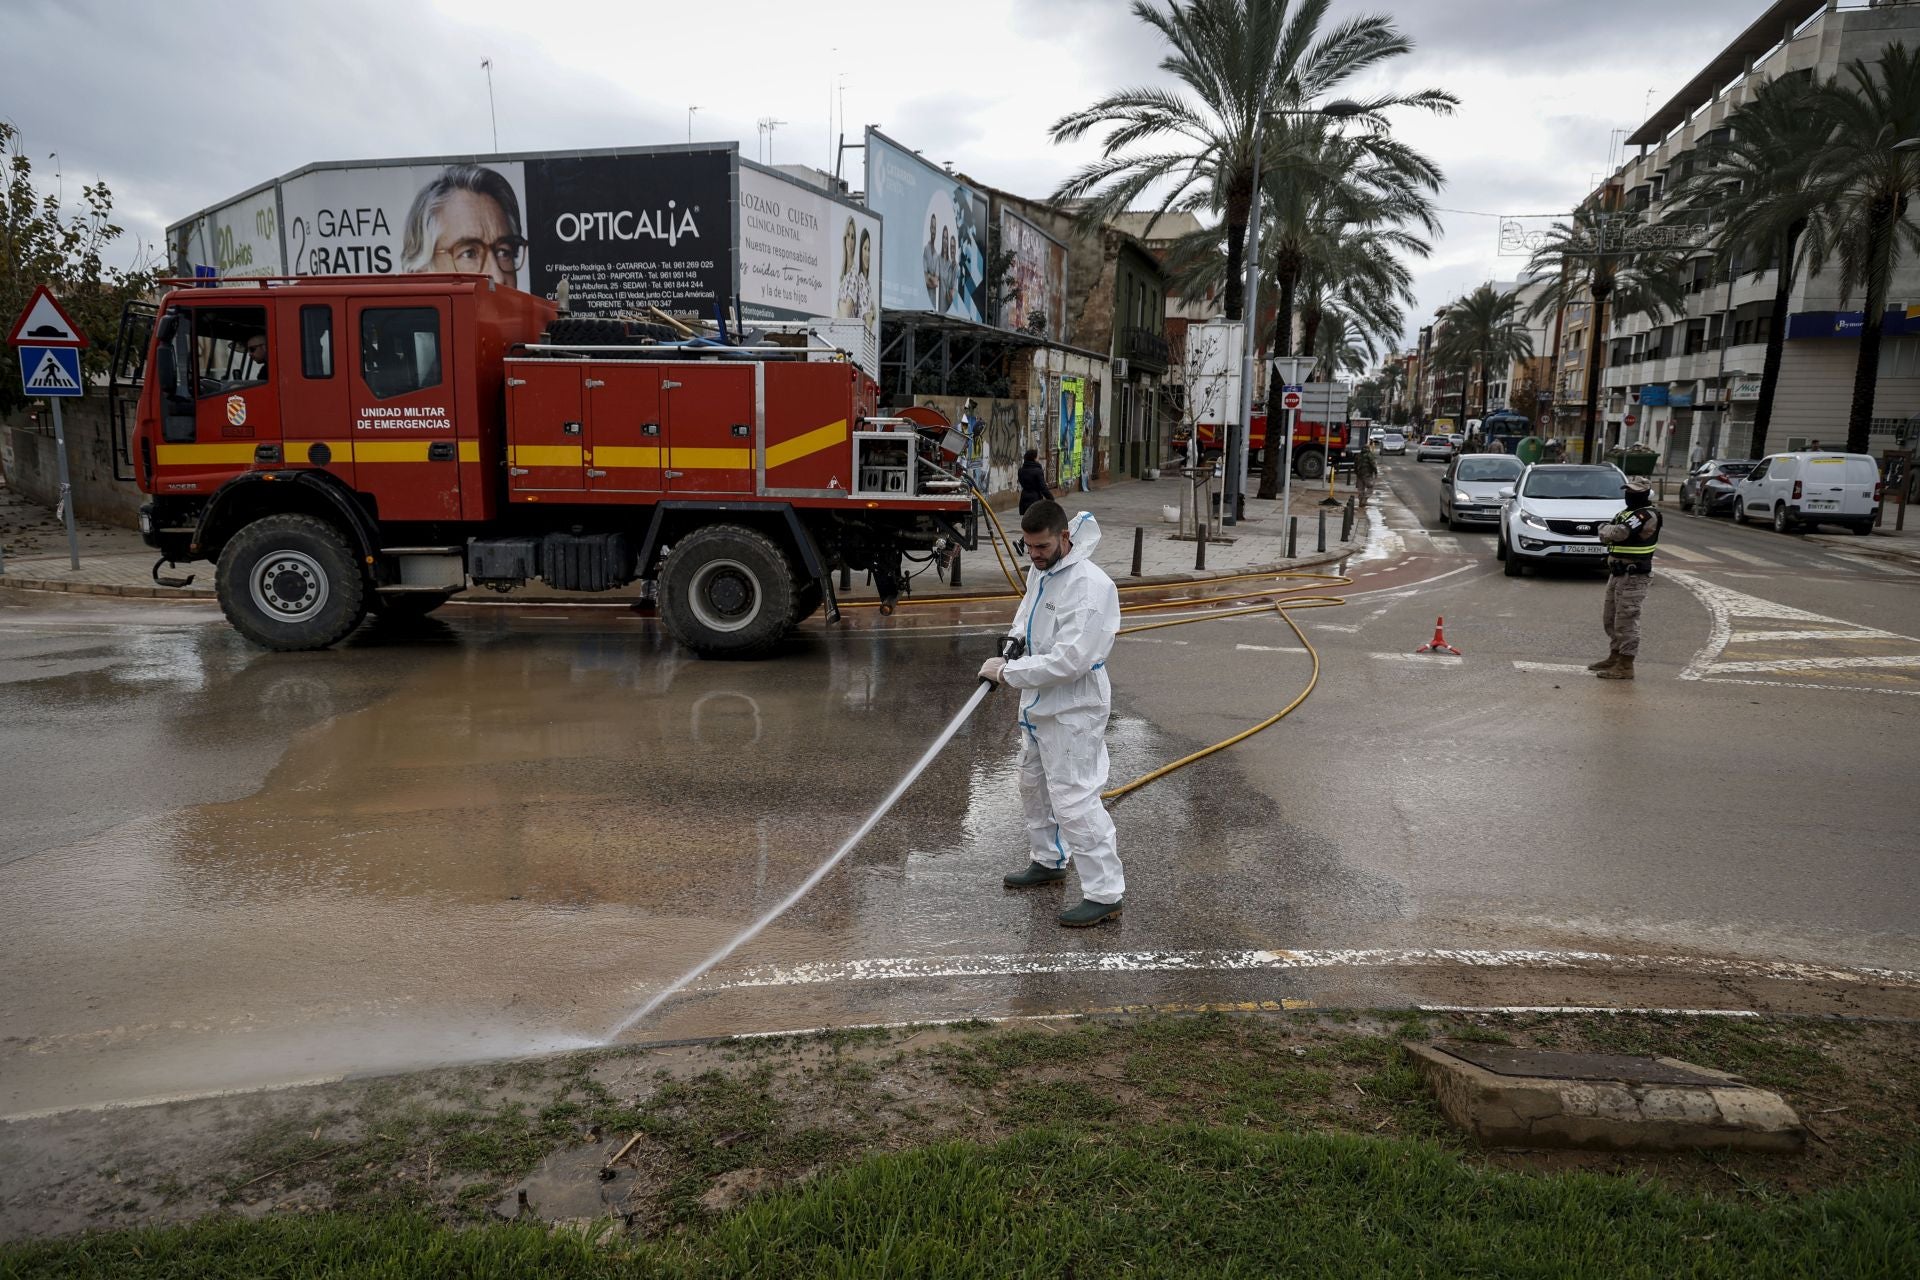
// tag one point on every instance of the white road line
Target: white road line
(1745, 558)
(1759, 637)
(1554, 667)
(1788, 665)
(1271, 648)
(1865, 565)
(1331, 626)
(1410, 589)
(1807, 684)
(904, 968)
(1446, 542)
(1419, 659)
(1683, 553)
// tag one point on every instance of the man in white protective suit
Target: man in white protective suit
(1067, 621)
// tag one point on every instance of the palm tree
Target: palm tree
(1484, 328)
(1340, 348)
(1241, 65)
(1392, 378)
(1865, 175)
(1591, 252)
(1756, 185)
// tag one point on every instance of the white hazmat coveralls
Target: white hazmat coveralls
(1068, 620)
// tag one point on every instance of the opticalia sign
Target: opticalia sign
(684, 229)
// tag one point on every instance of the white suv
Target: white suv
(1795, 489)
(1554, 513)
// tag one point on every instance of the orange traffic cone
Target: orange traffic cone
(1439, 642)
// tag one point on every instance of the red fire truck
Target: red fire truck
(337, 444)
(1311, 443)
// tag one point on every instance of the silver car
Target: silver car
(1470, 490)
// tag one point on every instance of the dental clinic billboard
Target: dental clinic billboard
(627, 229)
(936, 250)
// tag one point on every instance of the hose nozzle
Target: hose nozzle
(1009, 648)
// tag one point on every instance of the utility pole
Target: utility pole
(486, 65)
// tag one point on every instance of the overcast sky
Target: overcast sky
(182, 105)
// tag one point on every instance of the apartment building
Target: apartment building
(1692, 381)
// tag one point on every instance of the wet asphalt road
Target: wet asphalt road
(499, 832)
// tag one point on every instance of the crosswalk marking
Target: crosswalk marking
(1418, 659)
(1684, 553)
(1897, 654)
(1445, 542)
(1745, 558)
(1555, 668)
(1865, 565)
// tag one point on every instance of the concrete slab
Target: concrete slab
(1651, 1109)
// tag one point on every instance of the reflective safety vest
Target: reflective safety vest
(1644, 538)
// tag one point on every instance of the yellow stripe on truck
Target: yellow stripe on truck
(544, 455)
(626, 456)
(202, 455)
(711, 459)
(391, 450)
(812, 442)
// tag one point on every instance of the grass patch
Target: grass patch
(1173, 1202)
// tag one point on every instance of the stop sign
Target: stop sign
(1631, 419)
(1290, 400)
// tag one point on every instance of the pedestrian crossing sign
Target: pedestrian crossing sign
(51, 371)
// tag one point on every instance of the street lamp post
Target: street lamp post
(1238, 433)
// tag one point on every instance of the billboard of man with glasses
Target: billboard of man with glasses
(466, 219)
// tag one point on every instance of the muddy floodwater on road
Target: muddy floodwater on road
(500, 836)
(501, 831)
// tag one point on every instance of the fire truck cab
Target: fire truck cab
(335, 445)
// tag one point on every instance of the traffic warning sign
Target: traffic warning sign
(51, 371)
(45, 324)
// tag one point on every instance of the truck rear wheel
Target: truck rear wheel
(1310, 465)
(290, 582)
(726, 592)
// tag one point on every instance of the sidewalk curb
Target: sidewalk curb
(196, 594)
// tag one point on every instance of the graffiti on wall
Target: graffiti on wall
(995, 433)
(1071, 441)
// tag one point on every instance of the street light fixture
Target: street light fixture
(1338, 109)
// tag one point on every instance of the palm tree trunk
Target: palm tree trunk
(1275, 445)
(1776, 344)
(1238, 206)
(1866, 372)
(1485, 409)
(1601, 289)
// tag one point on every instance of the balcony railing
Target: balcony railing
(1144, 346)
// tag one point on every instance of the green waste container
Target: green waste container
(1530, 449)
(1634, 462)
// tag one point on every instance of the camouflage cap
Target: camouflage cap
(1639, 484)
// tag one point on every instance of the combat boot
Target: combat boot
(1611, 660)
(1034, 874)
(1089, 913)
(1621, 670)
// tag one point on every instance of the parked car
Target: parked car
(1710, 487)
(1553, 514)
(1393, 442)
(1470, 490)
(1437, 447)
(1810, 489)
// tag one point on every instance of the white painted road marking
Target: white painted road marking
(1271, 648)
(1419, 659)
(1556, 668)
(1753, 637)
(1682, 553)
(896, 969)
(1744, 558)
(1864, 565)
(1725, 604)
(1789, 665)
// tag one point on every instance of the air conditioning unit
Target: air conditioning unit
(1119, 366)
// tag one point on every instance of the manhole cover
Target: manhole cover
(1554, 1064)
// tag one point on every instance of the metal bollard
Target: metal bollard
(1139, 544)
(956, 566)
(1200, 549)
(846, 578)
(1323, 530)
(1293, 536)
(1346, 522)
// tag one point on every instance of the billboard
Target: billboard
(936, 250)
(627, 229)
(1039, 276)
(240, 239)
(803, 253)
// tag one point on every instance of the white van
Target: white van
(1794, 489)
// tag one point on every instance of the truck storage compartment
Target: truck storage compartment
(586, 561)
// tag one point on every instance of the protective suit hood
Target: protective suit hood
(1083, 531)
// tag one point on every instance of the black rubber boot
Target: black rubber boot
(1621, 670)
(1034, 874)
(1089, 913)
(1611, 660)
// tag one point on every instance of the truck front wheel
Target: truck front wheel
(1310, 465)
(726, 591)
(290, 582)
